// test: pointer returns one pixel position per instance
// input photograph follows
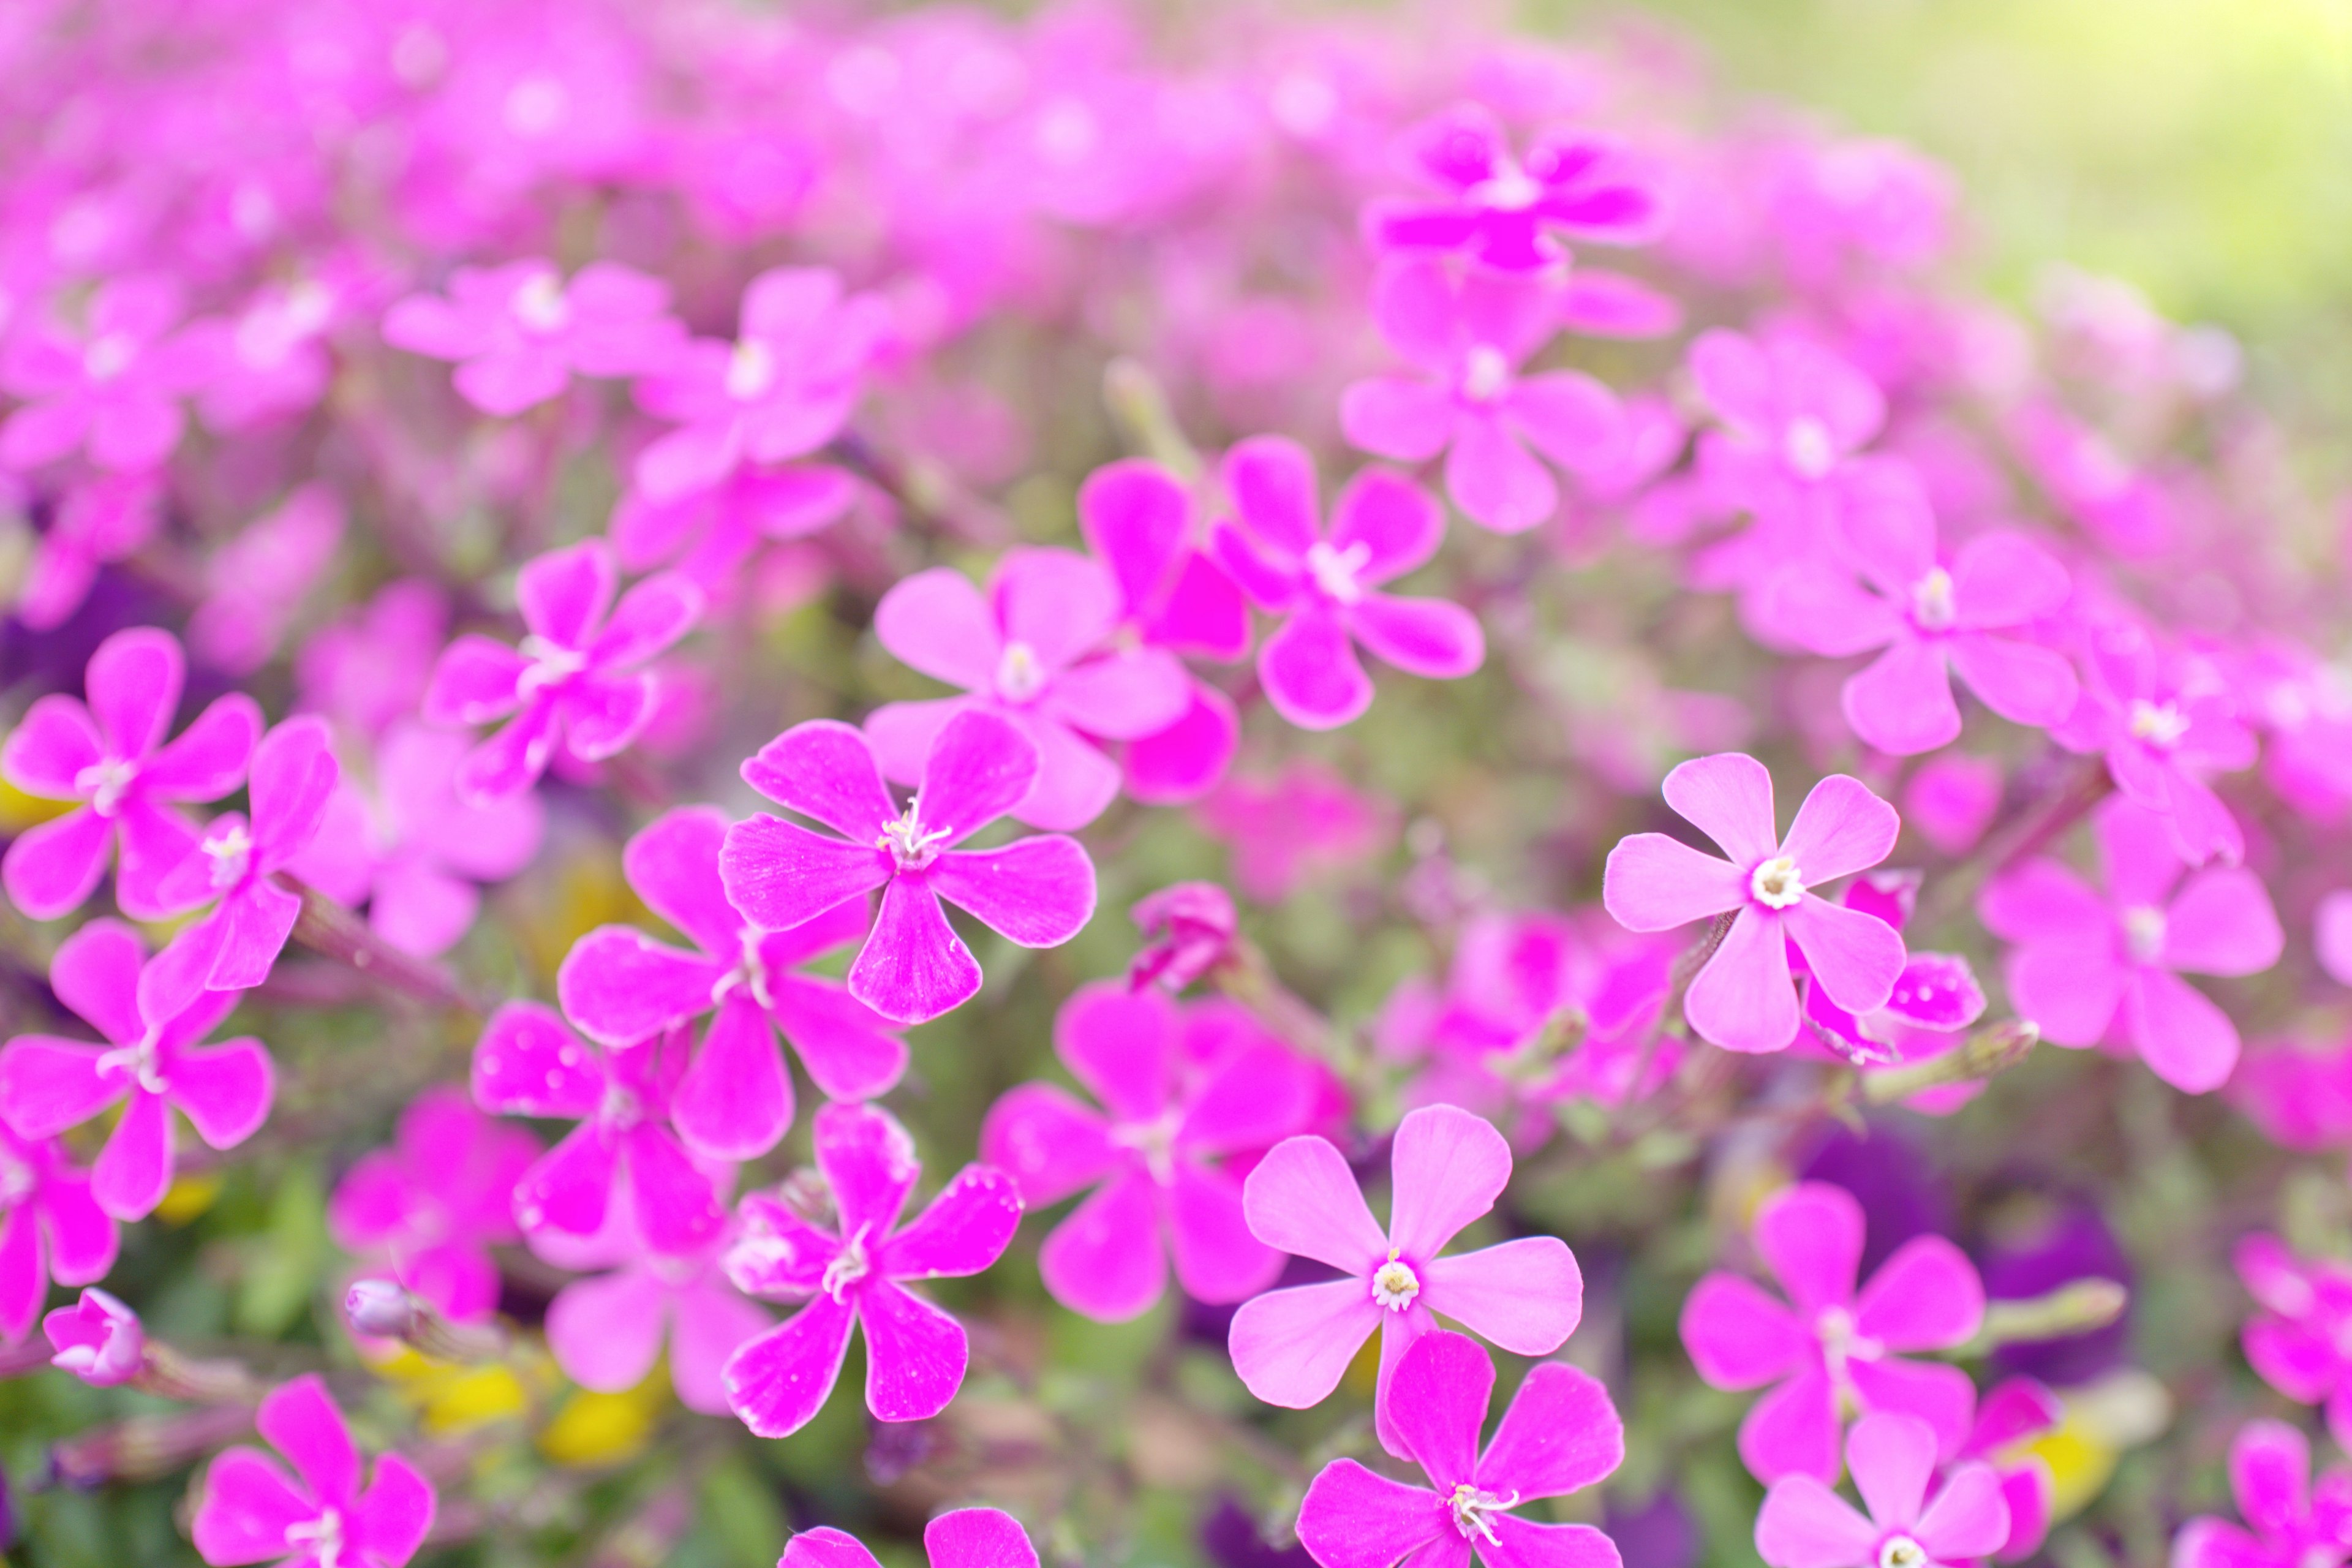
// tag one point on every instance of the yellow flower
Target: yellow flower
(188, 1196)
(594, 1429)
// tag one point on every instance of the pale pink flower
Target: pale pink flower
(1791, 414)
(521, 332)
(2290, 1522)
(250, 1511)
(50, 1228)
(255, 583)
(608, 1330)
(429, 1209)
(1803, 1524)
(2164, 723)
(1507, 212)
(98, 518)
(961, 1538)
(97, 1339)
(1282, 828)
(112, 390)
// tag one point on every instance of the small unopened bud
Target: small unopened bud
(1188, 930)
(97, 1339)
(384, 1309)
(2080, 1307)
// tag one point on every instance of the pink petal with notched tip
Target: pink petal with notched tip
(1106, 1261)
(675, 1205)
(133, 682)
(604, 714)
(1925, 1297)
(1121, 1045)
(1122, 696)
(1076, 782)
(1571, 418)
(736, 1100)
(651, 617)
(1268, 577)
(1393, 520)
(1135, 516)
(707, 1323)
(248, 1504)
(1051, 1142)
(1037, 891)
(1188, 759)
(846, 1046)
(1656, 883)
(1902, 701)
(1811, 1236)
(618, 985)
(962, 1231)
(565, 594)
(1803, 1524)
(1524, 1543)
(1311, 674)
(1272, 481)
(81, 1236)
(474, 681)
(422, 910)
(1447, 1168)
(2042, 900)
(1303, 1199)
(1824, 610)
(504, 382)
(1728, 797)
(2022, 683)
(1940, 1396)
(245, 933)
(2068, 990)
(52, 866)
(901, 733)
(1351, 1517)
(870, 1161)
(913, 966)
(1744, 998)
(1841, 828)
(294, 773)
(1969, 1517)
(46, 752)
(1057, 602)
(915, 1354)
(2185, 1039)
(47, 1085)
(939, 624)
(1494, 479)
(1432, 637)
(512, 759)
(1217, 1259)
(1740, 1335)
(826, 1547)
(1438, 1400)
(777, 1381)
(2003, 579)
(569, 1187)
(1856, 958)
(1561, 1435)
(606, 1331)
(978, 1538)
(781, 874)
(979, 767)
(2270, 1474)
(394, 1515)
(689, 460)
(1893, 1459)
(96, 974)
(1407, 418)
(2221, 923)
(1258, 1096)
(224, 1091)
(1792, 1429)
(1204, 613)
(529, 1064)
(300, 1420)
(1291, 1347)
(1526, 1295)
(134, 1170)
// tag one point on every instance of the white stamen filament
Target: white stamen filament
(322, 1537)
(910, 843)
(230, 849)
(551, 664)
(848, 1267)
(1777, 883)
(142, 1061)
(2160, 724)
(106, 783)
(1474, 1511)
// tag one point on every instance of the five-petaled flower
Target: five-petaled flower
(2294, 1524)
(519, 333)
(252, 1511)
(1805, 1525)
(1507, 212)
(961, 1538)
(428, 1209)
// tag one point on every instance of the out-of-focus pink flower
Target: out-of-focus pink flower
(97, 1339)
(1152, 1154)
(1281, 828)
(1830, 1348)
(710, 533)
(429, 1208)
(1791, 414)
(736, 1101)
(250, 1511)
(1935, 997)
(2294, 1524)
(577, 680)
(1037, 891)
(2163, 723)
(1560, 1434)
(1505, 211)
(1951, 800)
(98, 518)
(50, 1228)
(1032, 649)
(2088, 967)
(519, 333)
(1188, 930)
(961, 1538)
(109, 754)
(1803, 1524)
(1468, 334)
(2331, 935)
(914, 1354)
(1743, 999)
(255, 583)
(152, 1012)
(1447, 1168)
(371, 666)
(606, 1331)
(2010, 1416)
(1382, 526)
(271, 358)
(2300, 1337)
(111, 390)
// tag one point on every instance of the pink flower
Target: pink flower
(1152, 1160)
(914, 1354)
(112, 390)
(1382, 526)
(785, 386)
(2008, 1417)
(1935, 997)
(961, 1538)
(250, 1511)
(2294, 1524)
(1951, 799)
(97, 1339)
(521, 333)
(429, 1208)
(2163, 724)
(710, 533)
(607, 1331)
(736, 1100)
(1792, 414)
(1803, 1524)
(371, 666)
(1282, 827)
(1743, 999)
(50, 1228)
(98, 518)
(529, 1064)
(2300, 1337)
(1447, 1168)
(1467, 334)
(1036, 892)
(111, 756)
(1503, 211)
(271, 357)
(2331, 935)
(2088, 967)
(1829, 1347)
(1188, 930)
(1032, 651)
(255, 583)
(233, 866)
(153, 1012)
(577, 680)
(1560, 1434)
(1935, 615)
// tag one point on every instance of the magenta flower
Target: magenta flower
(2088, 967)
(1504, 212)
(1791, 413)
(112, 391)
(1560, 1434)
(961, 1538)
(914, 1354)
(2331, 935)
(736, 1100)
(1032, 651)
(1382, 526)
(1935, 997)
(1934, 617)
(1803, 1524)
(1151, 1155)
(152, 1012)
(1744, 1000)
(1188, 930)
(1282, 828)
(2294, 1524)
(1468, 334)
(50, 1228)
(521, 333)
(710, 533)
(1446, 1168)
(2163, 724)
(1036, 892)
(250, 1511)
(428, 1209)
(1829, 1350)
(111, 756)
(255, 583)
(577, 680)
(97, 520)
(370, 666)
(97, 1339)
(2010, 1416)
(785, 386)
(529, 1064)
(2300, 1338)
(235, 866)
(607, 1331)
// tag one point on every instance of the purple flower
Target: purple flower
(577, 678)
(1560, 1434)
(1447, 1167)
(529, 1064)
(1743, 999)
(112, 390)
(2163, 724)
(1151, 1154)
(1828, 1347)
(1803, 1524)
(2089, 966)
(914, 1354)
(429, 1208)
(111, 756)
(2300, 1338)
(97, 1339)
(50, 1228)
(233, 866)
(607, 1331)
(1037, 891)
(250, 1511)
(1503, 211)
(153, 1013)
(521, 333)
(961, 1538)
(1468, 334)
(736, 1100)
(1382, 526)
(1188, 930)
(2294, 1524)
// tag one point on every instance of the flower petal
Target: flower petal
(1437, 1404)
(1434, 639)
(962, 1231)
(1743, 999)
(1926, 1297)
(1653, 882)
(1854, 956)
(1311, 674)
(915, 1354)
(1728, 797)
(1291, 1347)
(778, 1382)
(1740, 1335)
(1561, 1435)
(1351, 1517)
(1038, 891)
(1302, 1199)
(782, 875)
(1526, 1295)
(913, 967)
(1803, 1524)
(1107, 1261)
(1447, 1167)
(938, 623)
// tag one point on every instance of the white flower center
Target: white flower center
(17, 1181)
(910, 843)
(139, 1062)
(540, 304)
(1931, 601)
(105, 784)
(1156, 1141)
(751, 370)
(1334, 571)
(1901, 1551)
(848, 1267)
(1841, 1341)
(1474, 1511)
(2160, 724)
(108, 356)
(322, 1537)
(1808, 449)
(536, 106)
(551, 664)
(1020, 675)
(1485, 373)
(749, 973)
(620, 1107)
(1777, 883)
(1394, 1285)
(2144, 928)
(230, 849)
(1511, 189)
